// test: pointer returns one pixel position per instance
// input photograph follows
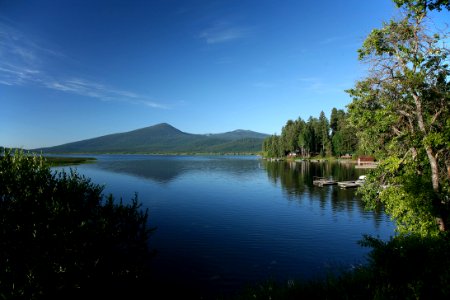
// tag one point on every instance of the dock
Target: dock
(321, 181)
(352, 183)
(366, 166)
(348, 184)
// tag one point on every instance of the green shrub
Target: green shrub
(61, 237)
(405, 267)
(410, 266)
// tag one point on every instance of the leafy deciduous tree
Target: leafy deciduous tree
(402, 110)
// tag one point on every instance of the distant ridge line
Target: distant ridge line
(164, 138)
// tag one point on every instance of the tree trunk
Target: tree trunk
(434, 169)
(435, 181)
(441, 222)
(433, 164)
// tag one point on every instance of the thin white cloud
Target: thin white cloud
(6, 82)
(16, 75)
(100, 92)
(22, 62)
(223, 32)
(17, 48)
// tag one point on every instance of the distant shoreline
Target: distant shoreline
(156, 153)
(54, 161)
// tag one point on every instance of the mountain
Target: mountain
(240, 134)
(164, 138)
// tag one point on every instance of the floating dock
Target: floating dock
(348, 184)
(321, 181)
(353, 183)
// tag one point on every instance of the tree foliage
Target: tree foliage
(402, 111)
(60, 237)
(316, 136)
(418, 7)
(408, 267)
(343, 137)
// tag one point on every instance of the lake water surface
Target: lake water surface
(226, 221)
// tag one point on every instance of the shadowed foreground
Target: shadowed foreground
(61, 237)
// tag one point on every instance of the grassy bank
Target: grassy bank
(52, 161)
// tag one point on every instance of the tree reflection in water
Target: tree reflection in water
(296, 180)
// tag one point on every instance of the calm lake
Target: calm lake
(226, 221)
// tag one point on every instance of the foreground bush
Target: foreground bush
(405, 267)
(61, 237)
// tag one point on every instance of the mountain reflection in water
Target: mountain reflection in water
(226, 221)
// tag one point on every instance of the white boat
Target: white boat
(361, 179)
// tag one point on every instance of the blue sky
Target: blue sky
(72, 70)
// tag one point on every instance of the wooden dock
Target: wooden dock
(348, 184)
(366, 166)
(321, 181)
(352, 183)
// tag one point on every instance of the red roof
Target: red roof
(366, 158)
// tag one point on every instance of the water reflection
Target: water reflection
(296, 180)
(166, 169)
(155, 170)
(224, 221)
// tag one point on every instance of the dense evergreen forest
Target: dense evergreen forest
(316, 136)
